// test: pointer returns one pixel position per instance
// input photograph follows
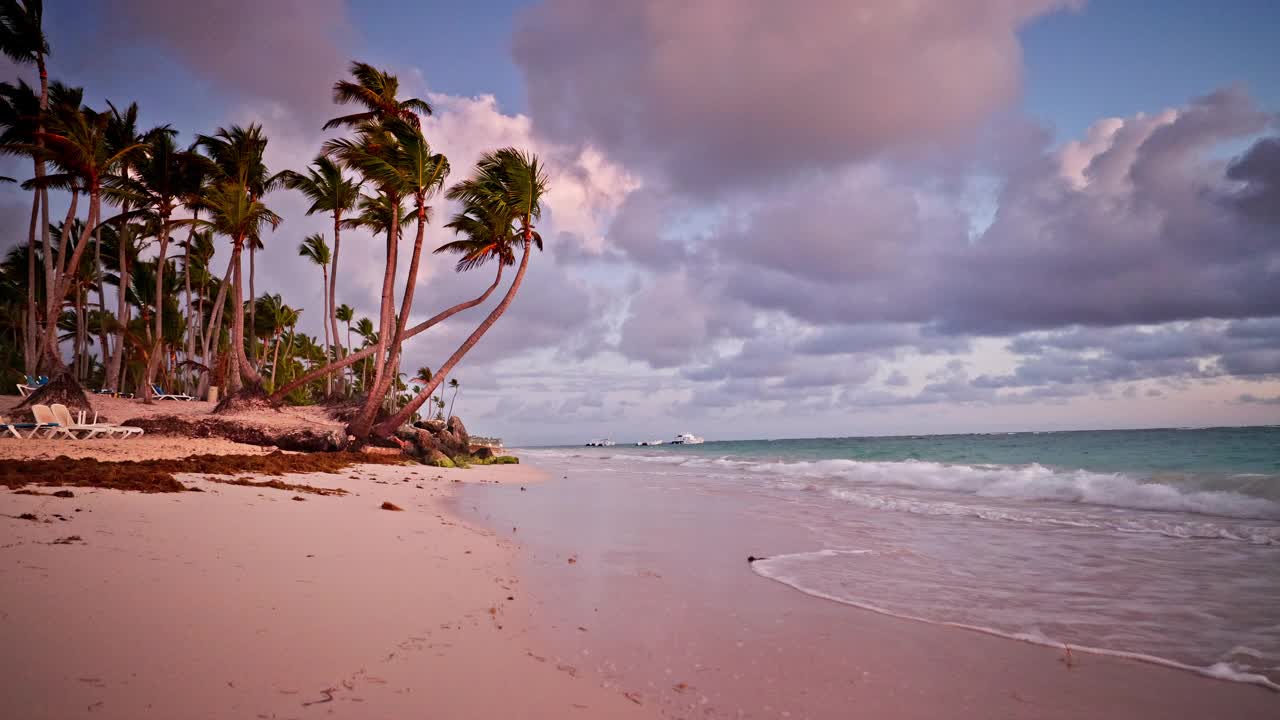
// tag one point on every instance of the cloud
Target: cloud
(728, 93)
(285, 52)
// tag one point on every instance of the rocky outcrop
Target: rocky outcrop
(436, 442)
(298, 439)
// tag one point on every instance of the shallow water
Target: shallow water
(1158, 544)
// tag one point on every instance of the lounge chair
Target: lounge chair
(90, 430)
(160, 394)
(48, 424)
(105, 428)
(24, 390)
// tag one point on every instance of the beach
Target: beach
(579, 586)
(264, 603)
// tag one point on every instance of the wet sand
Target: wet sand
(249, 602)
(659, 596)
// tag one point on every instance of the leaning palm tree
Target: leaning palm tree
(508, 186)
(315, 249)
(233, 214)
(376, 90)
(395, 157)
(331, 192)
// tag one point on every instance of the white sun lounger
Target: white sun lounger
(48, 424)
(90, 430)
(160, 394)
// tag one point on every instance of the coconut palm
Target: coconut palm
(483, 240)
(396, 158)
(165, 176)
(331, 192)
(453, 383)
(233, 214)
(22, 40)
(508, 187)
(376, 90)
(315, 249)
(77, 146)
(238, 153)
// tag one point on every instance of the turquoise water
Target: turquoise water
(1237, 450)
(1162, 544)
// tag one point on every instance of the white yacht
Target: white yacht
(687, 439)
(605, 442)
(647, 443)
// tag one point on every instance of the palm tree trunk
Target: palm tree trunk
(253, 296)
(248, 374)
(114, 378)
(332, 316)
(53, 358)
(158, 299)
(30, 346)
(42, 194)
(192, 318)
(328, 379)
(353, 358)
(102, 295)
(388, 301)
(275, 359)
(370, 409)
(389, 426)
(452, 401)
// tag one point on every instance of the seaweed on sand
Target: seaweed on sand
(157, 475)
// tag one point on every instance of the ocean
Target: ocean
(1161, 545)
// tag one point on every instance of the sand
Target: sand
(246, 602)
(120, 410)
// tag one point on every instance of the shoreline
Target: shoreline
(260, 602)
(670, 605)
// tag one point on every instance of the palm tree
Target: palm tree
(376, 90)
(238, 153)
(166, 175)
(232, 213)
(329, 191)
(483, 240)
(22, 40)
(316, 250)
(78, 148)
(453, 383)
(508, 186)
(346, 315)
(395, 157)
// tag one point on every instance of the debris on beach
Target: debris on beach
(155, 476)
(392, 506)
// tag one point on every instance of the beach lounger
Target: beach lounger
(48, 424)
(25, 390)
(160, 394)
(112, 429)
(90, 430)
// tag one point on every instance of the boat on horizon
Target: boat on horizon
(687, 439)
(603, 442)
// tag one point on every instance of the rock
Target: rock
(439, 459)
(433, 426)
(64, 494)
(392, 506)
(459, 431)
(483, 453)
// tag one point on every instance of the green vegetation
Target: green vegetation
(143, 281)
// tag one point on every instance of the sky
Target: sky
(815, 218)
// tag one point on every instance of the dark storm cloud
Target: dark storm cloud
(1259, 172)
